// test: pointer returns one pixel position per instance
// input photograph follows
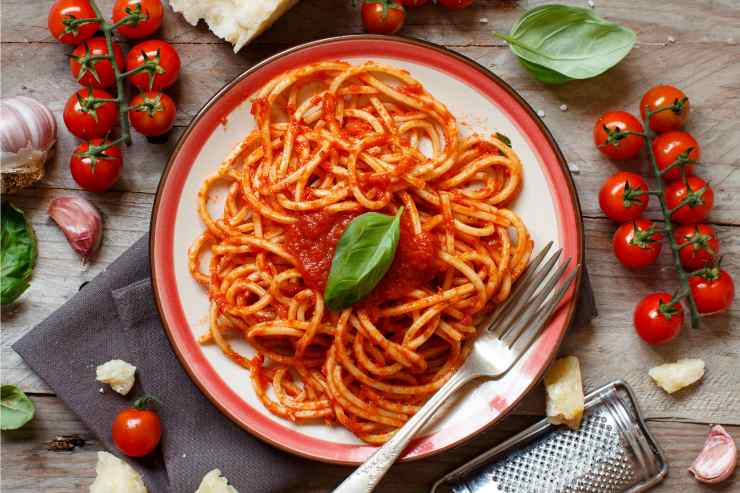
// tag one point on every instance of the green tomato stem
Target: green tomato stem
(684, 292)
(120, 90)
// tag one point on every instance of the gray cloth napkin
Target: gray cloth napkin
(114, 316)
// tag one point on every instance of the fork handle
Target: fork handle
(368, 475)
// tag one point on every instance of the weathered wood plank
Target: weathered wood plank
(711, 21)
(712, 82)
(59, 274)
(29, 466)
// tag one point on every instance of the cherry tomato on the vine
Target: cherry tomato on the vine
(456, 4)
(699, 203)
(63, 21)
(671, 146)
(609, 135)
(93, 168)
(712, 291)
(382, 16)
(145, 17)
(152, 113)
(622, 196)
(663, 96)
(160, 61)
(137, 430)
(414, 3)
(637, 243)
(703, 248)
(88, 70)
(87, 117)
(656, 319)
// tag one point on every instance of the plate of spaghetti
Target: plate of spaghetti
(333, 226)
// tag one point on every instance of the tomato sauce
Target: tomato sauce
(313, 240)
(415, 264)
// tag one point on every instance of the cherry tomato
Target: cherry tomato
(382, 16)
(608, 138)
(414, 3)
(94, 169)
(669, 146)
(87, 117)
(62, 17)
(663, 96)
(700, 253)
(618, 196)
(152, 113)
(637, 244)
(96, 73)
(137, 430)
(700, 204)
(456, 4)
(713, 291)
(146, 17)
(656, 319)
(161, 61)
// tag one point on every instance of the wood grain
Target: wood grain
(703, 59)
(29, 466)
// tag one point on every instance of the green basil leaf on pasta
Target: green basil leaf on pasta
(16, 409)
(364, 254)
(18, 254)
(556, 43)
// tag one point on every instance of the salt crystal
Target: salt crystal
(541, 113)
(483, 20)
(563, 107)
(101, 390)
(573, 168)
(671, 39)
(591, 3)
(184, 455)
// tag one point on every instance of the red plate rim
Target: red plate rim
(211, 115)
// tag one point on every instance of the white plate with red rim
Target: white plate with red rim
(481, 102)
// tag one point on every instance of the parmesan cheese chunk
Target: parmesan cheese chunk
(214, 482)
(675, 376)
(564, 392)
(116, 476)
(117, 373)
(236, 21)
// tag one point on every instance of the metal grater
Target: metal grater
(612, 452)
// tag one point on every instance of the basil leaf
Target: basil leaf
(18, 254)
(503, 138)
(543, 74)
(15, 408)
(364, 254)
(559, 42)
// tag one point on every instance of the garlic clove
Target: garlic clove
(718, 458)
(81, 223)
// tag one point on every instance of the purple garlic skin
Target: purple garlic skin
(718, 458)
(81, 223)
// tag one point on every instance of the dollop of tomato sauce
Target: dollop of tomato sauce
(313, 240)
(415, 264)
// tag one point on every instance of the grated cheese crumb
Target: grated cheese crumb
(563, 107)
(541, 113)
(483, 20)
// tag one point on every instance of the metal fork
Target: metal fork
(507, 334)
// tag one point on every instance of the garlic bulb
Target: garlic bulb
(80, 222)
(718, 459)
(27, 135)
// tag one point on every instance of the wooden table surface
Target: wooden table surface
(693, 44)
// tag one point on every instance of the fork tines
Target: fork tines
(533, 300)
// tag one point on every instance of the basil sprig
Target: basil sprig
(364, 254)
(18, 254)
(16, 409)
(558, 43)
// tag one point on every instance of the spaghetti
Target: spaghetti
(334, 140)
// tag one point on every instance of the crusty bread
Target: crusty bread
(236, 21)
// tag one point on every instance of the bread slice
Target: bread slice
(236, 21)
